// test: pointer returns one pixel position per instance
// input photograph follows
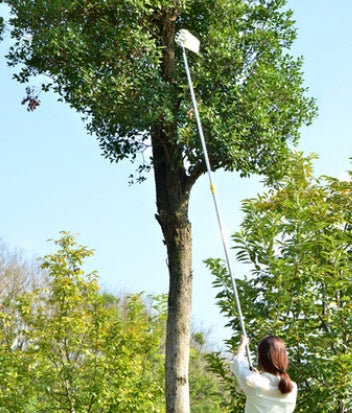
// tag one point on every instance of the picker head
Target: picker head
(187, 40)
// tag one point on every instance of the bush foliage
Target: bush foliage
(297, 240)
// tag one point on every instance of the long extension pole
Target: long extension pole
(217, 209)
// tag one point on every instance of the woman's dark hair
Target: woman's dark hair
(272, 358)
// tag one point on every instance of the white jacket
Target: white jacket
(261, 389)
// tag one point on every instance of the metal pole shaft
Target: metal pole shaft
(217, 209)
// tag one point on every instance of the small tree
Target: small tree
(85, 351)
(298, 240)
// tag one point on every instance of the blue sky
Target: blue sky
(53, 178)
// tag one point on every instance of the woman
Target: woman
(271, 390)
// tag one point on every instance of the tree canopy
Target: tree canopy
(109, 61)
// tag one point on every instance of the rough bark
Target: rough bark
(178, 323)
(172, 194)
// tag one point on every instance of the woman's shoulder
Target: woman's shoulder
(263, 380)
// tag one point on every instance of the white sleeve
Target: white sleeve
(245, 377)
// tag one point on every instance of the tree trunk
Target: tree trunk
(179, 250)
(172, 193)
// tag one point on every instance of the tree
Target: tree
(85, 351)
(116, 62)
(297, 238)
(64, 345)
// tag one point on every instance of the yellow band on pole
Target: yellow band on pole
(212, 188)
